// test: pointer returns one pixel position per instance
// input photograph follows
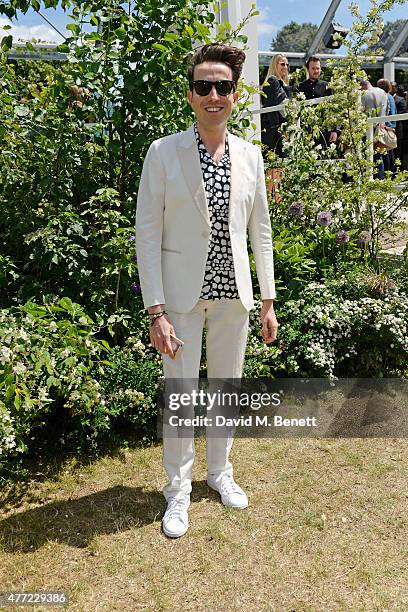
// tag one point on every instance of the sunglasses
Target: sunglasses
(223, 88)
(283, 64)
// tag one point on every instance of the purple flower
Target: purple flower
(342, 237)
(132, 238)
(324, 218)
(296, 209)
(134, 258)
(135, 288)
(364, 237)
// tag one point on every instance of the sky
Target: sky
(274, 14)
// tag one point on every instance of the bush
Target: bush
(354, 326)
(73, 138)
(46, 358)
(129, 383)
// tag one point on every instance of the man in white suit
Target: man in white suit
(200, 191)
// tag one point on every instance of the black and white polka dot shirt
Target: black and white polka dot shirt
(219, 278)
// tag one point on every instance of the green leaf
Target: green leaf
(21, 111)
(53, 382)
(73, 27)
(6, 42)
(10, 392)
(17, 400)
(121, 33)
(66, 304)
(160, 47)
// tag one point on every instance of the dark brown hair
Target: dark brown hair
(216, 52)
(312, 58)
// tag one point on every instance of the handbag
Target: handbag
(385, 138)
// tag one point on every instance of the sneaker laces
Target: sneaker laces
(228, 485)
(175, 507)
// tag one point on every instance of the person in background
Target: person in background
(374, 102)
(401, 105)
(276, 89)
(405, 138)
(315, 87)
(388, 157)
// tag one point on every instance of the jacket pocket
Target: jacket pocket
(170, 250)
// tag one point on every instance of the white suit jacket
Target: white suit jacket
(173, 225)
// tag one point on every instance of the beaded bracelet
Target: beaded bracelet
(156, 315)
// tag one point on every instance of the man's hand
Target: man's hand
(333, 137)
(160, 333)
(269, 322)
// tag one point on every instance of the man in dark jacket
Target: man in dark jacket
(314, 87)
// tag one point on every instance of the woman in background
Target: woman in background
(276, 89)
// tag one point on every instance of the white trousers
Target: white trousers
(226, 322)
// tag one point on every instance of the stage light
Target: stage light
(328, 38)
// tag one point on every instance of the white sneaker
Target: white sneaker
(231, 494)
(175, 519)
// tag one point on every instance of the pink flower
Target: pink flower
(342, 237)
(324, 218)
(364, 237)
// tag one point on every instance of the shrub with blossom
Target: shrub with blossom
(335, 329)
(341, 201)
(47, 356)
(130, 384)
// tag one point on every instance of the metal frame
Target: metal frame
(389, 54)
(389, 57)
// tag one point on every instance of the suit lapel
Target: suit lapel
(190, 165)
(239, 170)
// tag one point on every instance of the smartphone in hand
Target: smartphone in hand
(176, 345)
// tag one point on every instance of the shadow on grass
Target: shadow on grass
(47, 463)
(200, 491)
(77, 521)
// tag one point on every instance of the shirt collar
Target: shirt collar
(200, 142)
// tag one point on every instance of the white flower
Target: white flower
(19, 368)
(5, 354)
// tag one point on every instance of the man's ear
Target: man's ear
(236, 96)
(189, 96)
